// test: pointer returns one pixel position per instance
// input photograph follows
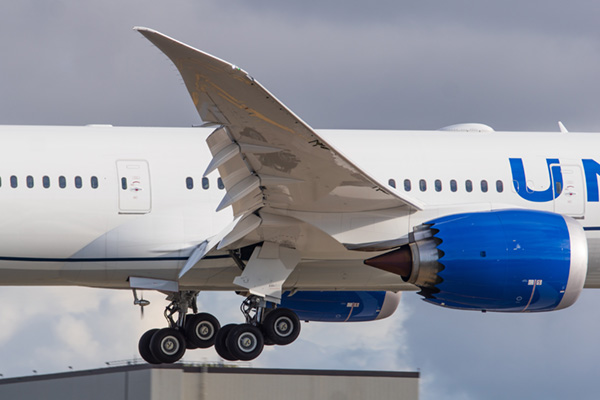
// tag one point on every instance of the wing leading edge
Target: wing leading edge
(265, 154)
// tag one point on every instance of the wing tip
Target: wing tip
(153, 35)
(149, 33)
(143, 29)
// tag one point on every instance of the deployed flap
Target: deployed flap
(203, 248)
(268, 267)
(266, 155)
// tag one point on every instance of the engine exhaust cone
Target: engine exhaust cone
(397, 262)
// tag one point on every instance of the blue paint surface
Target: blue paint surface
(592, 170)
(335, 306)
(510, 260)
(520, 181)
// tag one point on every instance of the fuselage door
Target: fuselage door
(134, 187)
(569, 192)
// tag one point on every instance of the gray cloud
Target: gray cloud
(503, 356)
(416, 66)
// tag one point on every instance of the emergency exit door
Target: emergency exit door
(134, 187)
(569, 192)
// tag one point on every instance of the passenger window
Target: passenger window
(189, 182)
(46, 182)
(422, 185)
(62, 182)
(29, 181)
(407, 185)
(94, 182)
(124, 183)
(438, 185)
(468, 185)
(78, 182)
(484, 186)
(392, 183)
(220, 184)
(453, 185)
(205, 183)
(499, 186)
(13, 181)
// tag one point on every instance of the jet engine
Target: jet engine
(341, 306)
(507, 261)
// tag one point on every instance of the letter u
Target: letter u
(519, 181)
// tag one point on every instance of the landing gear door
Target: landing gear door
(134, 187)
(569, 192)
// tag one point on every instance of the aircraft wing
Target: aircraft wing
(265, 154)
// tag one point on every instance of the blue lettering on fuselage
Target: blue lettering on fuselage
(591, 170)
(538, 196)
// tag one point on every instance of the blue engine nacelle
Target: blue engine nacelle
(341, 306)
(509, 260)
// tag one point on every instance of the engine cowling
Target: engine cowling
(508, 261)
(341, 306)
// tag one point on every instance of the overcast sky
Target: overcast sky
(513, 65)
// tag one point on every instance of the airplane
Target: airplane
(305, 224)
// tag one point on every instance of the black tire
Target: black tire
(245, 342)
(266, 339)
(281, 326)
(201, 330)
(168, 345)
(144, 347)
(221, 342)
(188, 344)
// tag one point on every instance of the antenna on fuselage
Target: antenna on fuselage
(562, 127)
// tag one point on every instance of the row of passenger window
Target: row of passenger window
(46, 182)
(483, 184)
(437, 185)
(189, 183)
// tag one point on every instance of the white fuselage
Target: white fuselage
(147, 225)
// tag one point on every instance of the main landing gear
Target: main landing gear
(264, 325)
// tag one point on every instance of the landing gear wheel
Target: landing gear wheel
(188, 342)
(221, 342)
(245, 342)
(167, 345)
(267, 340)
(201, 330)
(144, 347)
(281, 326)
(189, 346)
